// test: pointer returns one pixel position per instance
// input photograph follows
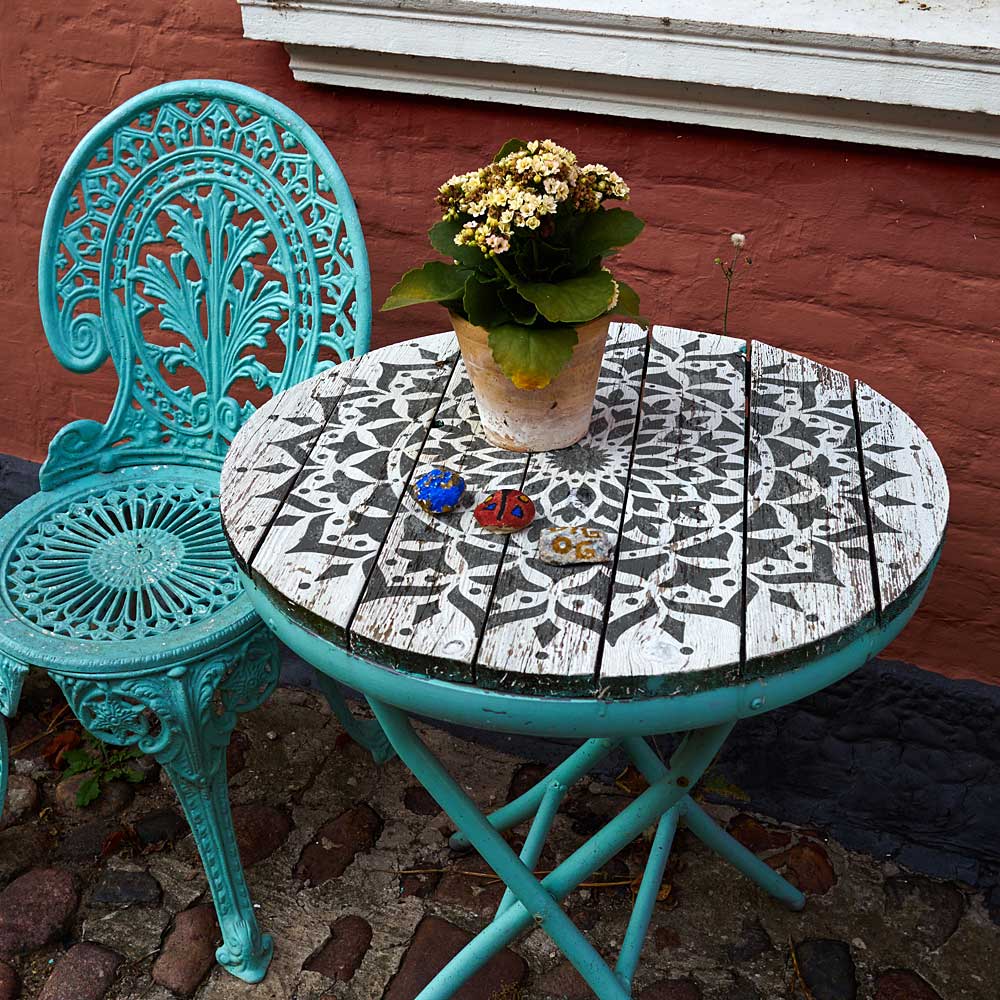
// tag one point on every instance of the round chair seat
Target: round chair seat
(119, 570)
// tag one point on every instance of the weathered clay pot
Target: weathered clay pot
(534, 419)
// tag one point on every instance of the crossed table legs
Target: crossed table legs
(528, 900)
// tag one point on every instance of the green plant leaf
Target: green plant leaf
(576, 300)
(520, 310)
(88, 791)
(531, 357)
(539, 260)
(135, 777)
(434, 282)
(628, 304)
(442, 237)
(510, 146)
(482, 304)
(79, 761)
(603, 232)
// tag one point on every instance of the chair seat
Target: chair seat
(119, 571)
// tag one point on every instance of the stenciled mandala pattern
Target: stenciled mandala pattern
(734, 543)
(677, 600)
(124, 564)
(332, 524)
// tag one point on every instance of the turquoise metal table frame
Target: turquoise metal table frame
(706, 718)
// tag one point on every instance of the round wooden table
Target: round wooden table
(775, 525)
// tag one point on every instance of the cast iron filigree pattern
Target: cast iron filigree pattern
(184, 714)
(220, 221)
(12, 675)
(124, 563)
(183, 717)
(11, 678)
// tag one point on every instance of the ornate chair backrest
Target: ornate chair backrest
(204, 238)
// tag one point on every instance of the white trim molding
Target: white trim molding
(910, 74)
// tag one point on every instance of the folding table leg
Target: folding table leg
(582, 761)
(540, 826)
(538, 902)
(645, 900)
(712, 836)
(715, 838)
(366, 733)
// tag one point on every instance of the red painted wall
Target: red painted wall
(884, 263)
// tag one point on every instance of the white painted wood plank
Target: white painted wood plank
(676, 605)
(268, 452)
(773, 49)
(428, 586)
(545, 622)
(808, 566)
(800, 67)
(425, 603)
(907, 493)
(323, 542)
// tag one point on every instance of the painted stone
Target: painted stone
(438, 491)
(575, 544)
(505, 511)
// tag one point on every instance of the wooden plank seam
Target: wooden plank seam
(872, 554)
(602, 692)
(493, 586)
(399, 501)
(294, 481)
(748, 396)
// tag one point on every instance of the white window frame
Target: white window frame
(911, 74)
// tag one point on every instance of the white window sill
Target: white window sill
(873, 71)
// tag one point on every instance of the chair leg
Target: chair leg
(365, 732)
(183, 716)
(11, 678)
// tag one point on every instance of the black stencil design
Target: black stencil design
(719, 526)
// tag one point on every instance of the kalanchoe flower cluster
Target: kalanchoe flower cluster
(527, 237)
(519, 190)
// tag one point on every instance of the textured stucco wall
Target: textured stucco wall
(883, 263)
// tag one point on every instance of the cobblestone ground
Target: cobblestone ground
(350, 870)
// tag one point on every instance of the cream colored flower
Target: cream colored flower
(738, 240)
(519, 190)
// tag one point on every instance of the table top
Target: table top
(766, 510)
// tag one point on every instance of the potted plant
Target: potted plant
(527, 289)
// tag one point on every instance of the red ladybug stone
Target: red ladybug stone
(505, 511)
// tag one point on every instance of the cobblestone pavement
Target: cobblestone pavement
(350, 870)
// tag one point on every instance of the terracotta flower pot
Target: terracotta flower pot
(534, 419)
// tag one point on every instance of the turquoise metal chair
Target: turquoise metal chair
(203, 238)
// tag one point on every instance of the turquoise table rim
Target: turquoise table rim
(560, 717)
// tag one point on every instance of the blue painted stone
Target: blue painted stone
(438, 491)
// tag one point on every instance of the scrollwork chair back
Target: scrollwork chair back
(203, 238)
